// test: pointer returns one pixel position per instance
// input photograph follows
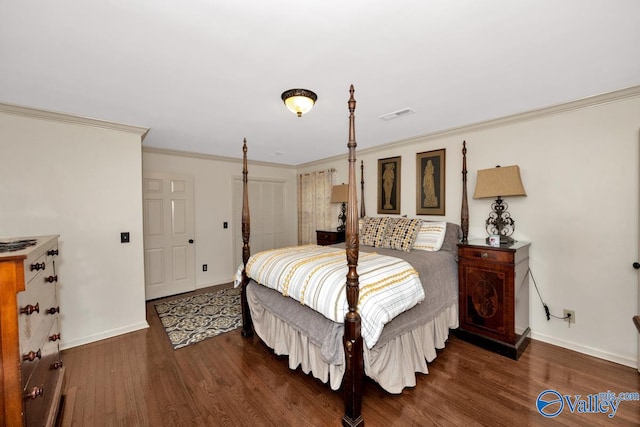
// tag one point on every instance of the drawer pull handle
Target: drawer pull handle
(56, 365)
(38, 266)
(52, 252)
(51, 279)
(484, 255)
(30, 309)
(35, 392)
(53, 310)
(31, 356)
(54, 337)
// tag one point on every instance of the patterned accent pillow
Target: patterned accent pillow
(430, 236)
(401, 233)
(373, 230)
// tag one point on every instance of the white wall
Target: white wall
(213, 189)
(579, 162)
(81, 179)
(580, 168)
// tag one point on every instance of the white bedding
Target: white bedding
(316, 276)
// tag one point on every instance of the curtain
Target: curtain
(315, 211)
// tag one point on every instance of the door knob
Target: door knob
(191, 241)
(636, 265)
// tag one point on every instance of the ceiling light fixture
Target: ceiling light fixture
(299, 101)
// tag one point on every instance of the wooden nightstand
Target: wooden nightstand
(494, 296)
(329, 237)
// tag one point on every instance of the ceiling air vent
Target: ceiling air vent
(396, 114)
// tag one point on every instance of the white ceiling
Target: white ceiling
(204, 74)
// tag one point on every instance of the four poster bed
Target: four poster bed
(390, 345)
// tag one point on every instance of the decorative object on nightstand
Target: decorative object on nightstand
(500, 182)
(340, 194)
(494, 296)
(329, 237)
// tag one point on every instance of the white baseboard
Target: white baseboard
(600, 354)
(103, 335)
(216, 283)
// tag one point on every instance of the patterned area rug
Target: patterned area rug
(192, 319)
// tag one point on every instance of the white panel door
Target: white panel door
(266, 207)
(169, 254)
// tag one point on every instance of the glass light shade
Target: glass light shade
(299, 101)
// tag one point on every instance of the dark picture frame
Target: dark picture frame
(389, 185)
(430, 182)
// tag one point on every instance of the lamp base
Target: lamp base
(342, 218)
(505, 241)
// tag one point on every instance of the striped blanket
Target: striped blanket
(316, 276)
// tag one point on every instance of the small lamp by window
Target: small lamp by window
(340, 194)
(500, 182)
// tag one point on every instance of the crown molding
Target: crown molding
(71, 118)
(591, 101)
(189, 154)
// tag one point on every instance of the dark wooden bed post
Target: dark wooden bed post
(362, 211)
(352, 340)
(247, 324)
(464, 214)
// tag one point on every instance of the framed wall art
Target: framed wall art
(430, 182)
(389, 185)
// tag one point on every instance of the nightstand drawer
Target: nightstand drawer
(329, 237)
(486, 254)
(323, 235)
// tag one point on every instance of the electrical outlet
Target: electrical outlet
(204, 267)
(566, 313)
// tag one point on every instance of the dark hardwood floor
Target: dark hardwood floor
(137, 379)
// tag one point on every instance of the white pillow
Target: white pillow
(430, 236)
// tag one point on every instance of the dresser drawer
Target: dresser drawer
(52, 253)
(43, 388)
(34, 266)
(33, 377)
(486, 254)
(40, 295)
(39, 343)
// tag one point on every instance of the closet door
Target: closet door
(267, 200)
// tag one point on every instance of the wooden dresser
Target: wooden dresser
(31, 370)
